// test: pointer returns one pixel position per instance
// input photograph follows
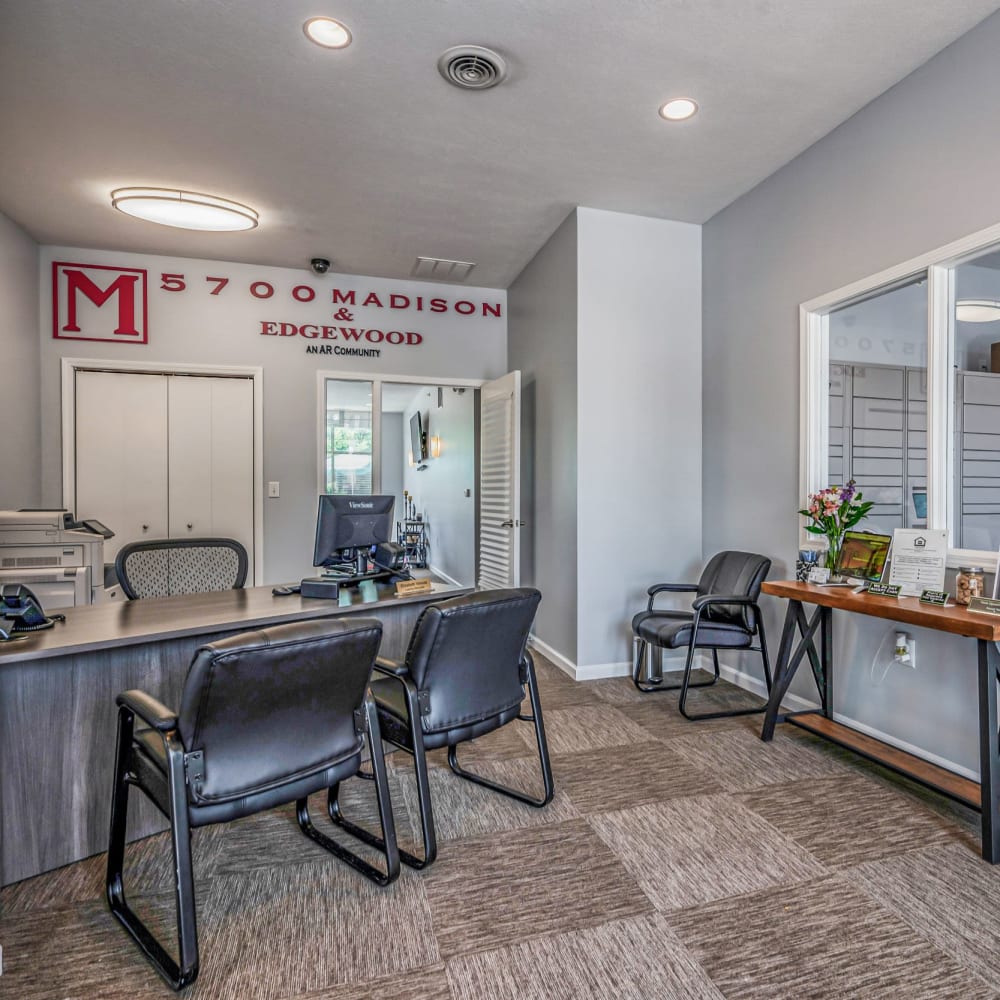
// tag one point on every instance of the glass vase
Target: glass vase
(833, 553)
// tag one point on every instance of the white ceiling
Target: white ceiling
(367, 156)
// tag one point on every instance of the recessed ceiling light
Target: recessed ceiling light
(184, 209)
(977, 310)
(327, 32)
(678, 109)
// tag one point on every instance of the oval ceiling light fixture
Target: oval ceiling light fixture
(184, 209)
(679, 109)
(327, 32)
(977, 310)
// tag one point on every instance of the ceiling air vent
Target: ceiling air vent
(472, 67)
(435, 269)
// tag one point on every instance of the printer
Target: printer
(60, 560)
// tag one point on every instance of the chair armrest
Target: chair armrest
(151, 711)
(393, 668)
(702, 602)
(672, 588)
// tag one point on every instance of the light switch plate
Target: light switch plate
(273, 490)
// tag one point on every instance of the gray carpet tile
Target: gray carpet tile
(634, 959)
(588, 728)
(464, 809)
(731, 839)
(948, 895)
(849, 820)
(421, 984)
(299, 928)
(622, 777)
(492, 891)
(742, 761)
(822, 940)
(80, 952)
(687, 851)
(660, 717)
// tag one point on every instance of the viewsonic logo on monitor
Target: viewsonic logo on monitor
(95, 302)
(361, 506)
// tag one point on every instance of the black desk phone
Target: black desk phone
(20, 611)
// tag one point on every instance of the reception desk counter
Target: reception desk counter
(57, 704)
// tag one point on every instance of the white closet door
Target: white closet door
(121, 455)
(211, 459)
(499, 488)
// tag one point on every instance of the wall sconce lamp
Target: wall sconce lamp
(435, 446)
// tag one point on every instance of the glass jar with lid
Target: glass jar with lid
(968, 584)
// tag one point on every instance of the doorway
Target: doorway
(423, 441)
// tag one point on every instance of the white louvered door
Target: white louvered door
(500, 485)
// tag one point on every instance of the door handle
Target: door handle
(507, 524)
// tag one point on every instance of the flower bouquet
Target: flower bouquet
(832, 511)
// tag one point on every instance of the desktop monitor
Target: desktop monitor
(863, 555)
(346, 522)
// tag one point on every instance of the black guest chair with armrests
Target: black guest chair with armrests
(464, 676)
(724, 615)
(266, 717)
(163, 567)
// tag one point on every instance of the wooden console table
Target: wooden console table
(985, 795)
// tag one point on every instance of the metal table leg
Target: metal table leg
(989, 749)
(789, 660)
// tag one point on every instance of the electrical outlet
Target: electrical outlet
(906, 656)
(273, 490)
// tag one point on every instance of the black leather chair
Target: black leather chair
(724, 615)
(463, 676)
(266, 717)
(163, 567)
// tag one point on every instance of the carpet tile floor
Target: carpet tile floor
(678, 859)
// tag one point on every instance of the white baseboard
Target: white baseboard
(796, 704)
(590, 672)
(444, 576)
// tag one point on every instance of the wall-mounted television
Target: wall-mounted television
(418, 439)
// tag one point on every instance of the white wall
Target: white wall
(196, 327)
(639, 427)
(20, 426)
(911, 172)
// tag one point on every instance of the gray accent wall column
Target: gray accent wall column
(541, 342)
(20, 370)
(914, 170)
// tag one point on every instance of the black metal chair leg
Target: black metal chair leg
(543, 754)
(652, 688)
(423, 792)
(177, 974)
(387, 842)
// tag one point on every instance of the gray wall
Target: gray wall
(915, 169)
(20, 371)
(393, 460)
(639, 444)
(541, 342)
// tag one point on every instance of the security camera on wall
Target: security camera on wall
(320, 265)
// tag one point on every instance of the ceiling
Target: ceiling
(368, 157)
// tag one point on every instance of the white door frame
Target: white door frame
(70, 366)
(376, 380)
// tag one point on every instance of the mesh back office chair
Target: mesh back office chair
(464, 676)
(266, 717)
(724, 615)
(168, 566)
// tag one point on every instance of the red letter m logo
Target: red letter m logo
(88, 303)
